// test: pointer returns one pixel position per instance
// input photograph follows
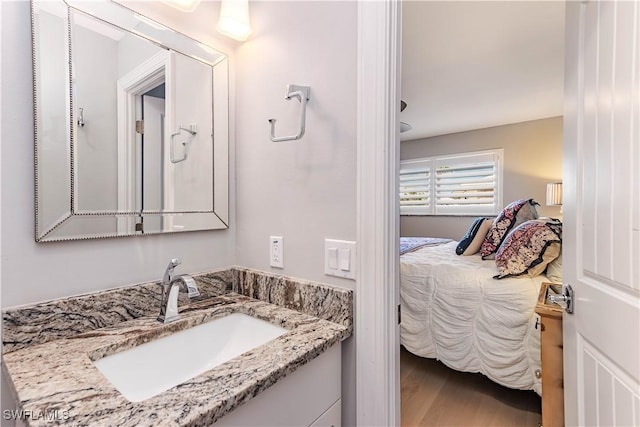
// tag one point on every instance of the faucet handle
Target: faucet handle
(192, 287)
(168, 273)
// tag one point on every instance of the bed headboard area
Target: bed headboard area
(532, 159)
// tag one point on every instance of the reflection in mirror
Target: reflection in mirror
(125, 136)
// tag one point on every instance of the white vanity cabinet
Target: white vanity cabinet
(310, 396)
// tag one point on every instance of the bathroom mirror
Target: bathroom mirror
(131, 125)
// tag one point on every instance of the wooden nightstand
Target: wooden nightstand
(551, 357)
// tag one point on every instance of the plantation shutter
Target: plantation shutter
(466, 184)
(415, 187)
(459, 184)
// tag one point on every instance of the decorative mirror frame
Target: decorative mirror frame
(216, 218)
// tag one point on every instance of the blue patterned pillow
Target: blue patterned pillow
(471, 241)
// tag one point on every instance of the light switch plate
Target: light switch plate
(344, 257)
(332, 254)
(340, 258)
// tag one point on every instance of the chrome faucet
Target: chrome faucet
(170, 289)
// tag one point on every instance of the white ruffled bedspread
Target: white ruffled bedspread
(454, 310)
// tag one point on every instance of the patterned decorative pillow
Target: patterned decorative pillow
(511, 216)
(473, 238)
(529, 248)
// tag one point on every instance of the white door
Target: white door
(602, 213)
(152, 161)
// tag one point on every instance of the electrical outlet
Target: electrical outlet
(276, 251)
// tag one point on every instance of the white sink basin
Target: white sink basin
(149, 369)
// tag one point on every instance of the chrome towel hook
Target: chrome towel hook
(303, 93)
(81, 117)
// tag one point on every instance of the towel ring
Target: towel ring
(303, 93)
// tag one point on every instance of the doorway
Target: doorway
(473, 73)
(146, 88)
(151, 175)
(379, 39)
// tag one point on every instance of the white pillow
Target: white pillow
(554, 269)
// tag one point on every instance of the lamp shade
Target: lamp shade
(554, 194)
(234, 19)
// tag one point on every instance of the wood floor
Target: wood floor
(434, 395)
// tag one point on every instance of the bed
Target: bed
(455, 311)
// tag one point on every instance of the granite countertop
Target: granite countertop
(57, 379)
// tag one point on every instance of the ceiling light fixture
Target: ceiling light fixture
(234, 19)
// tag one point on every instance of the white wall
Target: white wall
(133, 51)
(532, 158)
(302, 190)
(191, 177)
(97, 141)
(54, 129)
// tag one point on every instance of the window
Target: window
(458, 184)
(415, 187)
